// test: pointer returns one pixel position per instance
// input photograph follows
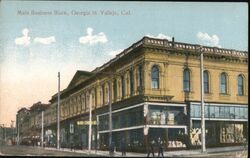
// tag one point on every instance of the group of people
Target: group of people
(152, 144)
(150, 149)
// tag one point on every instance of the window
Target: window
(103, 95)
(123, 86)
(186, 80)
(140, 75)
(206, 81)
(240, 85)
(114, 90)
(155, 77)
(223, 83)
(131, 74)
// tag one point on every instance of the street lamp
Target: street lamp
(58, 113)
(42, 128)
(203, 135)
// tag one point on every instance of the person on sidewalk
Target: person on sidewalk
(111, 149)
(160, 147)
(123, 147)
(151, 148)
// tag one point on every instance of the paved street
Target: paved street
(226, 152)
(35, 151)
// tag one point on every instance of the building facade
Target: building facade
(153, 90)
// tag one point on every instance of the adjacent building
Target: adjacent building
(153, 89)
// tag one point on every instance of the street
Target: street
(35, 151)
(38, 151)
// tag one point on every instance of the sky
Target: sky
(40, 38)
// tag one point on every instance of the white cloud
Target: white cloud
(205, 39)
(113, 53)
(25, 39)
(161, 36)
(93, 39)
(46, 40)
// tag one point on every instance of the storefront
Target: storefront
(142, 123)
(226, 124)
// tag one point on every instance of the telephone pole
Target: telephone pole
(58, 113)
(203, 134)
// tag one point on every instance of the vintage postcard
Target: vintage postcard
(90, 78)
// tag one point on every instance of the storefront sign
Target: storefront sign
(86, 122)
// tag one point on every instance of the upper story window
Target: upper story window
(206, 81)
(131, 74)
(123, 86)
(223, 83)
(240, 85)
(103, 95)
(140, 75)
(114, 89)
(155, 77)
(186, 80)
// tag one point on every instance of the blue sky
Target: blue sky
(36, 47)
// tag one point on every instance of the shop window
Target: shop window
(227, 112)
(155, 77)
(240, 85)
(222, 112)
(212, 111)
(217, 111)
(232, 113)
(206, 81)
(166, 115)
(223, 83)
(186, 80)
(206, 111)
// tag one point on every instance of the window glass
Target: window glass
(222, 112)
(240, 85)
(217, 111)
(155, 77)
(237, 112)
(186, 80)
(206, 111)
(211, 111)
(232, 115)
(227, 112)
(206, 82)
(131, 82)
(223, 83)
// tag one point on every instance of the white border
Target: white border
(219, 119)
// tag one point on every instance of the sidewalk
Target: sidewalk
(179, 153)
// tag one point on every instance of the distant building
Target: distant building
(155, 92)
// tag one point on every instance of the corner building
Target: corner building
(155, 92)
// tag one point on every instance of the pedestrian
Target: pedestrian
(123, 147)
(151, 148)
(111, 149)
(160, 147)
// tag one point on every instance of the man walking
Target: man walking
(123, 147)
(151, 148)
(160, 147)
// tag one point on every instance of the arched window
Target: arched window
(206, 81)
(240, 85)
(155, 77)
(114, 89)
(186, 80)
(223, 83)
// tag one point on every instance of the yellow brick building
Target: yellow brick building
(155, 92)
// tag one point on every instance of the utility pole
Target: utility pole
(58, 113)
(203, 134)
(90, 121)
(42, 129)
(110, 114)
